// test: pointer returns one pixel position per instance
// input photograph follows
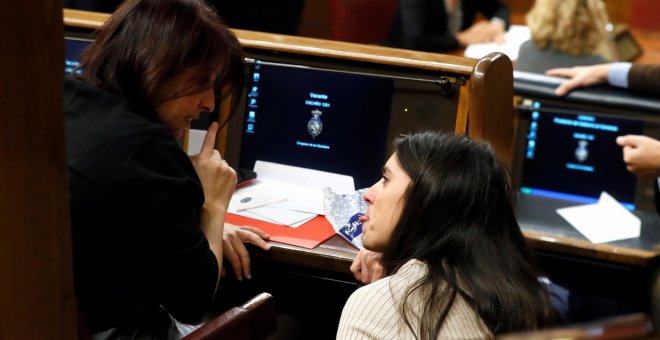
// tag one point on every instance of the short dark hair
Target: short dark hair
(148, 42)
(458, 217)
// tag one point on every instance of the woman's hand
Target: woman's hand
(218, 181)
(481, 32)
(217, 177)
(234, 239)
(366, 266)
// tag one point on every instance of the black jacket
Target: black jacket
(422, 24)
(135, 203)
(645, 78)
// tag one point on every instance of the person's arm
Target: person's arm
(234, 239)
(218, 181)
(580, 76)
(366, 266)
(233, 243)
(483, 31)
(370, 313)
(641, 154)
(645, 78)
(164, 195)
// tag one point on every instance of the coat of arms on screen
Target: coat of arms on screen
(581, 152)
(315, 125)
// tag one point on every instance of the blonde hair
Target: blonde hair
(576, 27)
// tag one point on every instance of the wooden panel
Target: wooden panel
(644, 14)
(491, 104)
(36, 288)
(356, 52)
(587, 249)
(84, 19)
(315, 19)
(619, 11)
(317, 47)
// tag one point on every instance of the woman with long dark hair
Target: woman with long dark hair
(147, 222)
(455, 262)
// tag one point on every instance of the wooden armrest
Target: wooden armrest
(632, 326)
(255, 319)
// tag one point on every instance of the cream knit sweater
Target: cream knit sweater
(372, 312)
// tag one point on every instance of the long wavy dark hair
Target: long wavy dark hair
(458, 218)
(145, 43)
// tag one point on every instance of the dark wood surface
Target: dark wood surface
(631, 326)
(36, 287)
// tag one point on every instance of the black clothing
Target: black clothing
(274, 16)
(422, 24)
(645, 78)
(135, 203)
(104, 6)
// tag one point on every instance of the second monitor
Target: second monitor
(331, 119)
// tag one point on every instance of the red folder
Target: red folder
(308, 235)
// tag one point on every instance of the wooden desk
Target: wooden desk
(334, 255)
(337, 254)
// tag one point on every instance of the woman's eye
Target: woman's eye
(385, 179)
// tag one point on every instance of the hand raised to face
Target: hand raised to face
(217, 177)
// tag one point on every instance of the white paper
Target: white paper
(282, 216)
(286, 195)
(309, 178)
(514, 37)
(253, 196)
(195, 141)
(605, 221)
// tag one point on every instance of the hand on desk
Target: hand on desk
(580, 76)
(482, 32)
(641, 154)
(234, 251)
(366, 266)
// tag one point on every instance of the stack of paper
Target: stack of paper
(605, 221)
(286, 195)
(514, 37)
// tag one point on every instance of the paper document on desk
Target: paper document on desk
(514, 37)
(285, 194)
(605, 221)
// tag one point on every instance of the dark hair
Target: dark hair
(458, 218)
(145, 43)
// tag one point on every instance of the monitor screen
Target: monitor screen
(572, 155)
(330, 120)
(73, 48)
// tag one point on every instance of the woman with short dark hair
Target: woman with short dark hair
(455, 262)
(147, 222)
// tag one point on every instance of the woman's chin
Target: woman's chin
(178, 134)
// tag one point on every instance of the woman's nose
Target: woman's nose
(370, 195)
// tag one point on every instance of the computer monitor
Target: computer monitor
(570, 153)
(332, 118)
(73, 48)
